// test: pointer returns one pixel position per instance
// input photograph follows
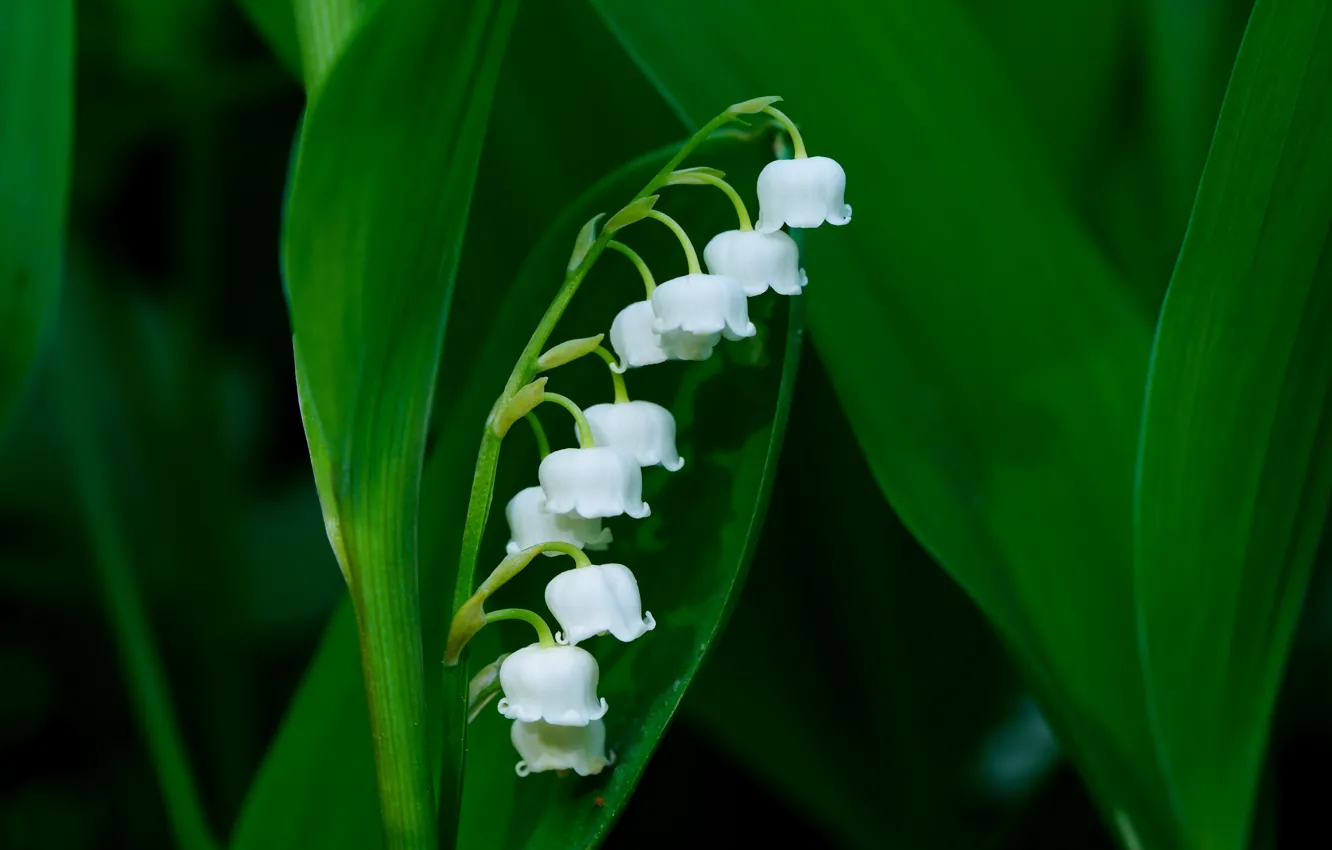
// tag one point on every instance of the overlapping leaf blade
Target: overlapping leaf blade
(378, 202)
(1235, 460)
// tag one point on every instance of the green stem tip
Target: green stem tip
(797, 142)
(544, 637)
(649, 284)
(741, 211)
(690, 254)
(585, 440)
(621, 391)
(579, 556)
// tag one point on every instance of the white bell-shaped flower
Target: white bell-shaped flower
(757, 261)
(530, 525)
(682, 345)
(694, 310)
(592, 483)
(557, 684)
(634, 340)
(639, 429)
(802, 193)
(545, 746)
(597, 599)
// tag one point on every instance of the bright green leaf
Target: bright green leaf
(990, 362)
(1235, 460)
(378, 203)
(36, 106)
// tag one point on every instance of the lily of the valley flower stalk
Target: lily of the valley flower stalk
(550, 688)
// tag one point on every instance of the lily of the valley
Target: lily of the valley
(530, 525)
(557, 684)
(757, 261)
(593, 482)
(693, 311)
(597, 599)
(637, 429)
(545, 746)
(802, 192)
(633, 339)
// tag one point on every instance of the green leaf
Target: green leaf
(36, 117)
(1190, 48)
(494, 309)
(1072, 111)
(1235, 462)
(323, 30)
(378, 203)
(989, 361)
(912, 672)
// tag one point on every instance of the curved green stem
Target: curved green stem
(454, 685)
(621, 391)
(544, 637)
(585, 440)
(579, 556)
(796, 141)
(741, 211)
(690, 254)
(649, 283)
(543, 444)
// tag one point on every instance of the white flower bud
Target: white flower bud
(756, 261)
(597, 599)
(634, 340)
(557, 684)
(637, 429)
(544, 746)
(530, 525)
(596, 482)
(693, 311)
(802, 193)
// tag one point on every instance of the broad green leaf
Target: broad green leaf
(378, 203)
(36, 118)
(1063, 60)
(1235, 461)
(990, 362)
(494, 309)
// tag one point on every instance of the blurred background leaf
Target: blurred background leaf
(36, 132)
(1235, 469)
